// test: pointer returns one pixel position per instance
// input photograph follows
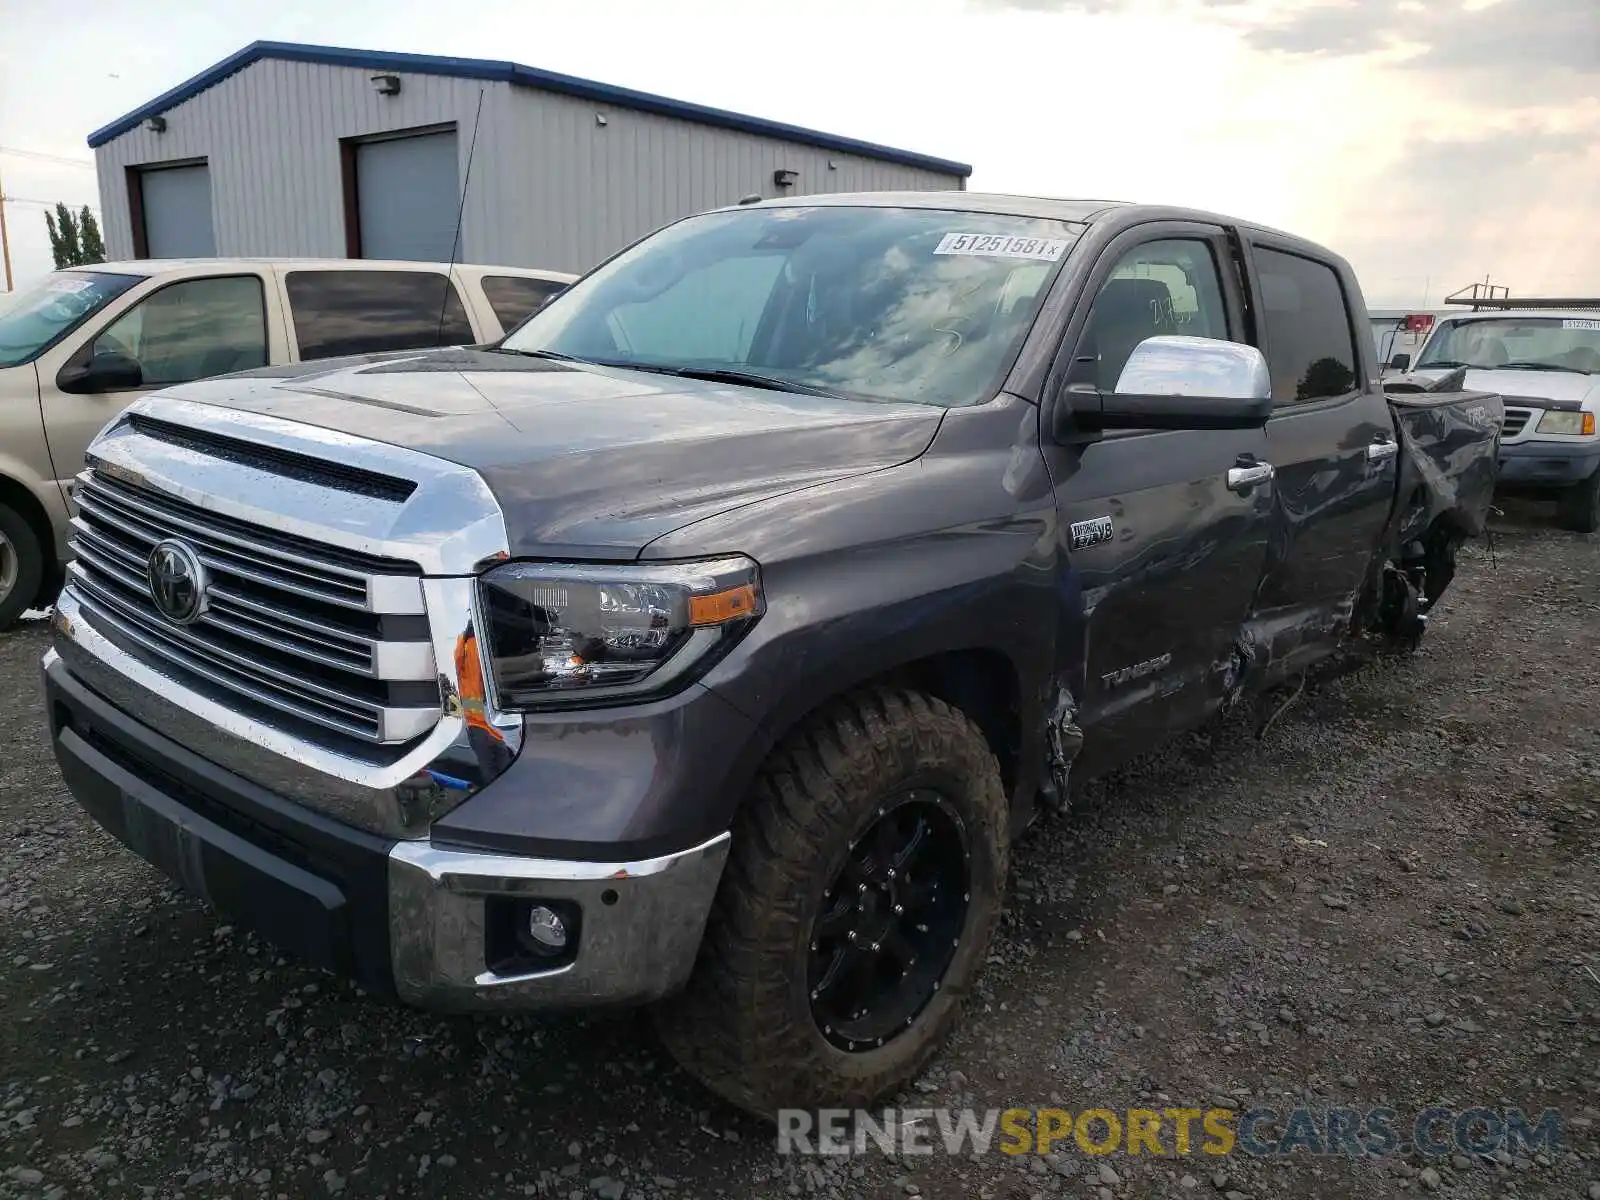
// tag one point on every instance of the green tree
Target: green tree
(63, 227)
(94, 250)
(74, 240)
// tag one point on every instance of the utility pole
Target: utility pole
(5, 244)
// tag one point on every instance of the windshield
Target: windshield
(1528, 343)
(38, 316)
(877, 303)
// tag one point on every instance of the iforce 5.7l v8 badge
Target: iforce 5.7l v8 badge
(1091, 533)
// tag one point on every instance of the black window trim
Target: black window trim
(453, 281)
(80, 357)
(1217, 235)
(1249, 243)
(557, 286)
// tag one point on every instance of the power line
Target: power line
(49, 203)
(53, 158)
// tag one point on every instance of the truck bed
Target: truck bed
(1449, 456)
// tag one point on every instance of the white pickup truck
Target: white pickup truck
(81, 344)
(1543, 357)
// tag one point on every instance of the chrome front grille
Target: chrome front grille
(1516, 420)
(307, 636)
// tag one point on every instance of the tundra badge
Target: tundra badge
(1091, 533)
(1138, 670)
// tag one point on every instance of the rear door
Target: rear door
(1164, 547)
(177, 331)
(1331, 444)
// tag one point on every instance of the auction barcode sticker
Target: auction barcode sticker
(1000, 245)
(1578, 323)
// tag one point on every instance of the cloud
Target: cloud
(1526, 41)
(1504, 203)
(1521, 39)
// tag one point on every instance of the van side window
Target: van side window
(192, 329)
(1166, 287)
(1310, 348)
(362, 312)
(515, 298)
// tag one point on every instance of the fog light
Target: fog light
(547, 930)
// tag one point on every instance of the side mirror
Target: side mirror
(101, 373)
(1172, 382)
(1400, 362)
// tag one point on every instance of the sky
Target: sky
(1432, 144)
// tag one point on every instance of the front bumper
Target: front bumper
(428, 923)
(1547, 464)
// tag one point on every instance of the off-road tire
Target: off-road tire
(23, 592)
(1580, 505)
(744, 1025)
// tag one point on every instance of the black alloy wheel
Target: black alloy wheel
(890, 922)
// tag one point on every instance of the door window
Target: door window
(362, 312)
(516, 297)
(193, 329)
(1171, 286)
(1310, 348)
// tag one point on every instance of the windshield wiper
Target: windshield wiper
(1443, 364)
(1525, 365)
(729, 375)
(553, 355)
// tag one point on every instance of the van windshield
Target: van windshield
(920, 305)
(41, 315)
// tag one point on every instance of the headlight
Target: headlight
(561, 633)
(1573, 424)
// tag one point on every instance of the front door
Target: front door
(1331, 444)
(1163, 547)
(190, 329)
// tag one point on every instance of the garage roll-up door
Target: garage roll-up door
(177, 212)
(409, 194)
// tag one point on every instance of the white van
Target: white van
(82, 343)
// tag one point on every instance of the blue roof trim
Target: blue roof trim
(509, 72)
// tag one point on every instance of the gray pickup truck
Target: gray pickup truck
(707, 641)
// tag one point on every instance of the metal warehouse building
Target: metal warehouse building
(289, 150)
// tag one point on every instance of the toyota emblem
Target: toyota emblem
(177, 581)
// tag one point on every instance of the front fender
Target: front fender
(952, 554)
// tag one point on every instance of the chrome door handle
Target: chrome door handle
(1378, 451)
(1242, 479)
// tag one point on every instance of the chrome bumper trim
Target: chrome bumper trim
(393, 797)
(638, 947)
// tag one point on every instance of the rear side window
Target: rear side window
(515, 298)
(1310, 349)
(360, 312)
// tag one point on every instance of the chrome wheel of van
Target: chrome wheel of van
(8, 566)
(21, 565)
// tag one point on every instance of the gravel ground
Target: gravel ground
(1392, 898)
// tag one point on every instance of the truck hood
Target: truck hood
(1513, 383)
(587, 461)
